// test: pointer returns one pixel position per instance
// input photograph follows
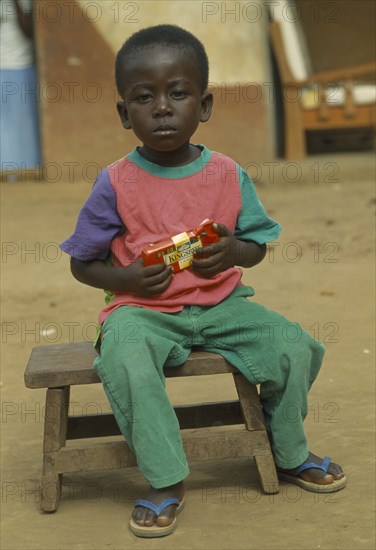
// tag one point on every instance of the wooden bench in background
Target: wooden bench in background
(58, 367)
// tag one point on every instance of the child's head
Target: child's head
(162, 78)
(161, 35)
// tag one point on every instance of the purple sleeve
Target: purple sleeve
(97, 225)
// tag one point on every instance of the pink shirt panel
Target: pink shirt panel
(154, 208)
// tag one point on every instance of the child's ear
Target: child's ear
(206, 106)
(123, 114)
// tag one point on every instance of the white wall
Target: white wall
(233, 32)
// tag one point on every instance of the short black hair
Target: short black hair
(161, 35)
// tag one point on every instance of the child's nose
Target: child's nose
(162, 106)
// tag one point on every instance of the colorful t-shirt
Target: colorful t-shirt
(135, 202)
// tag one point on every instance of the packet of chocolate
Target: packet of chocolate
(178, 251)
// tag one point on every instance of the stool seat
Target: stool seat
(58, 367)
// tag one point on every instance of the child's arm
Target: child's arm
(228, 252)
(135, 278)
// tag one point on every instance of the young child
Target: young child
(154, 317)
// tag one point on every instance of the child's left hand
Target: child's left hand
(218, 256)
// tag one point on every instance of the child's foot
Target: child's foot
(147, 522)
(327, 477)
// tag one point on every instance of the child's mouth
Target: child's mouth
(165, 131)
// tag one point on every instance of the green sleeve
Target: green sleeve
(253, 223)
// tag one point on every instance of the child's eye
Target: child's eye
(142, 98)
(179, 94)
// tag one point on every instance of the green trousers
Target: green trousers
(265, 347)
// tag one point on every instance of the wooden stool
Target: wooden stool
(57, 367)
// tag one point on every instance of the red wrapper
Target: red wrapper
(178, 251)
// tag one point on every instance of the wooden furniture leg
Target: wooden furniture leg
(55, 434)
(254, 420)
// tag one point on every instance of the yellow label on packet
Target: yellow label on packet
(184, 252)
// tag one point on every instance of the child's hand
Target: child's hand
(136, 278)
(147, 280)
(221, 255)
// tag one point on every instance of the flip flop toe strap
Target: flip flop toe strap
(154, 507)
(324, 466)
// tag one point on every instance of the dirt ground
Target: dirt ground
(320, 273)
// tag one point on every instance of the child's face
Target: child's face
(163, 101)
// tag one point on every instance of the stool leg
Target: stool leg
(249, 403)
(50, 492)
(254, 420)
(55, 434)
(267, 473)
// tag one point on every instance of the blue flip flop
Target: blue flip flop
(292, 476)
(154, 530)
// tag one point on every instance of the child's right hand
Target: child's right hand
(147, 280)
(136, 278)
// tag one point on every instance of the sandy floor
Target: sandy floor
(320, 274)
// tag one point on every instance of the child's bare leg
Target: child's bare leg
(145, 517)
